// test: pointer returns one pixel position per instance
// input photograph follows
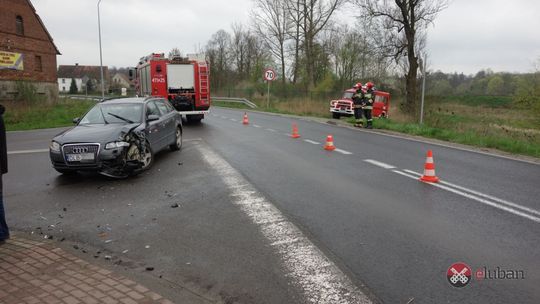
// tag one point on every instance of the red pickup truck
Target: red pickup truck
(344, 105)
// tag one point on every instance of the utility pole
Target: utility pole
(100, 52)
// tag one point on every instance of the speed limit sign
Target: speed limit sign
(269, 74)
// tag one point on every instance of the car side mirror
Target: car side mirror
(76, 120)
(152, 117)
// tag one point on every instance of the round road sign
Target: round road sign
(269, 74)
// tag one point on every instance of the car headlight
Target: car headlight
(116, 144)
(55, 146)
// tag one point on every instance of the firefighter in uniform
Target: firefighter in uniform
(358, 102)
(369, 98)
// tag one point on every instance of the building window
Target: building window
(38, 67)
(63, 89)
(19, 25)
(63, 80)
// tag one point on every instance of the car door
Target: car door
(168, 120)
(154, 129)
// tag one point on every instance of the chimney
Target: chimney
(76, 64)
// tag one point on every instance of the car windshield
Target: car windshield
(113, 113)
(347, 95)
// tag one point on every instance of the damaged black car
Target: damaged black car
(118, 137)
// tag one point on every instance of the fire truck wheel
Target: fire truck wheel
(336, 115)
(177, 145)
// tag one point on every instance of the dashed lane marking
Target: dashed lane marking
(271, 130)
(379, 164)
(232, 119)
(317, 277)
(343, 151)
(257, 126)
(312, 142)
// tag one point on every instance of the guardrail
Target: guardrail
(96, 98)
(237, 100)
(225, 99)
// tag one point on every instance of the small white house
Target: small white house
(82, 75)
(65, 83)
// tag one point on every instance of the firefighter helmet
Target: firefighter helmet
(369, 85)
(358, 86)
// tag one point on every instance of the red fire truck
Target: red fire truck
(184, 81)
(344, 105)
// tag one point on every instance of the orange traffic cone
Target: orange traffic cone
(295, 131)
(329, 146)
(429, 169)
(245, 121)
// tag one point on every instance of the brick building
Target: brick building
(27, 51)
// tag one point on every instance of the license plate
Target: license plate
(80, 157)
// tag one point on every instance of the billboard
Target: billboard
(12, 61)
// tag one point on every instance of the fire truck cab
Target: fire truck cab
(345, 107)
(185, 82)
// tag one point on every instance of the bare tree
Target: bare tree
(350, 55)
(295, 17)
(311, 17)
(272, 24)
(175, 52)
(218, 57)
(405, 22)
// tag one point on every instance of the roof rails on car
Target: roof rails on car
(111, 98)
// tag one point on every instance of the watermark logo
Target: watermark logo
(499, 273)
(459, 274)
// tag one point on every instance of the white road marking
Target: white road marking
(312, 141)
(257, 126)
(271, 130)
(320, 280)
(379, 164)
(232, 119)
(28, 151)
(476, 198)
(493, 198)
(343, 151)
(224, 117)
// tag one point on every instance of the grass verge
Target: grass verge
(29, 116)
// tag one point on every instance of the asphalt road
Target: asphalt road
(362, 206)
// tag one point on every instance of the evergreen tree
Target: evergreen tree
(73, 87)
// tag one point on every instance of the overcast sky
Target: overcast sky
(468, 36)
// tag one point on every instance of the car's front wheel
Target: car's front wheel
(336, 115)
(177, 145)
(146, 159)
